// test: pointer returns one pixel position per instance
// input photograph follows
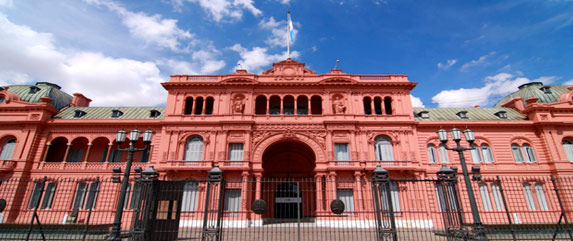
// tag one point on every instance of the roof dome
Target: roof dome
(545, 93)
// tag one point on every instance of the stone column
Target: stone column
(48, 145)
(258, 177)
(332, 186)
(67, 151)
(319, 192)
(295, 106)
(88, 152)
(358, 191)
(282, 102)
(108, 152)
(244, 192)
(372, 106)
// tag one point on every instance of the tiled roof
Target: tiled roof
(106, 113)
(59, 98)
(534, 89)
(473, 114)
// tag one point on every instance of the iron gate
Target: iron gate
(320, 208)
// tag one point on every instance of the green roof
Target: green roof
(59, 98)
(106, 113)
(473, 114)
(535, 90)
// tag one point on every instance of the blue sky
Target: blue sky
(461, 53)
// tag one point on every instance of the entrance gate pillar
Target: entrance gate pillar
(319, 192)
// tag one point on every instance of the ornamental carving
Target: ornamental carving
(238, 104)
(338, 105)
(318, 136)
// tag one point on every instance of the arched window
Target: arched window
(189, 106)
(378, 105)
(316, 105)
(199, 106)
(383, 148)
(476, 157)
(57, 150)
(8, 149)
(529, 153)
(194, 149)
(209, 105)
(261, 105)
(517, 156)
(443, 154)
(486, 153)
(302, 105)
(568, 148)
(288, 105)
(388, 105)
(367, 105)
(432, 154)
(275, 105)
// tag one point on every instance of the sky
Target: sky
(461, 53)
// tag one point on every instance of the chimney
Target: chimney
(80, 100)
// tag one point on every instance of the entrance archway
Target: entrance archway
(288, 159)
(288, 181)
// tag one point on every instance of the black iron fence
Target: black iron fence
(373, 207)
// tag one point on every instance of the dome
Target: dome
(545, 93)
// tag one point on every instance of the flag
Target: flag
(290, 29)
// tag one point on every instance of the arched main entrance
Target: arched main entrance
(288, 184)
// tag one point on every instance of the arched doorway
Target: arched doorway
(288, 184)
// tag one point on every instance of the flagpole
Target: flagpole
(288, 35)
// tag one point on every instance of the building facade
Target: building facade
(286, 123)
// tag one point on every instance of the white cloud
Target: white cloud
(204, 62)
(480, 61)
(29, 56)
(6, 3)
(278, 30)
(314, 49)
(449, 63)
(416, 102)
(255, 59)
(494, 87)
(153, 29)
(285, 2)
(233, 9)
(568, 82)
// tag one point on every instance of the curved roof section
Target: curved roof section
(471, 114)
(545, 93)
(108, 113)
(59, 98)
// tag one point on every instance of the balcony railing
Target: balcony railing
(370, 164)
(87, 165)
(7, 165)
(185, 165)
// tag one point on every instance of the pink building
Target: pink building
(292, 123)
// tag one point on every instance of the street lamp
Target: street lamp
(120, 139)
(470, 138)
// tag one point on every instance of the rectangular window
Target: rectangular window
(49, 195)
(475, 155)
(35, 198)
(432, 154)
(115, 155)
(497, 199)
(484, 193)
(529, 197)
(232, 200)
(446, 198)
(516, 153)
(127, 192)
(80, 196)
(235, 151)
(92, 195)
(341, 152)
(541, 197)
(347, 197)
(190, 197)
(529, 153)
(145, 156)
(486, 153)
(135, 195)
(394, 195)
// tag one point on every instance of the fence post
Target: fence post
(210, 232)
(563, 213)
(498, 180)
(449, 203)
(383, 198)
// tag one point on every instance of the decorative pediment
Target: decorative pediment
(289, 70)
(238, 80)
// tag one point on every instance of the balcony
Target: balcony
(7, 165)
(86, 165)
(233, 165)
(371, 165)
(183, 165)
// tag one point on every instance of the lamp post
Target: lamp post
(120, 139)
(470, 138)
